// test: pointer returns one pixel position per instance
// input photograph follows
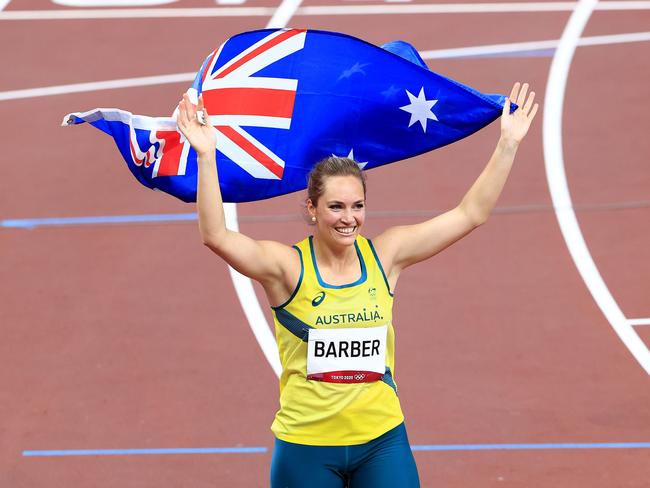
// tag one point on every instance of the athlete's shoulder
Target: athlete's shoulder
(304, 244)
(364, 244)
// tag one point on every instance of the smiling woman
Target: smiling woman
(340, 187)
(332, 298)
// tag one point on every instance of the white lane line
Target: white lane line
(461, 8)
(243, 285)
(96, 85)
(137, 13)
(532, 46)
(433, 54)
(639, 321)
(111, 3)
(317, 10)
(559, 189)
(614, 39)
(624, 5)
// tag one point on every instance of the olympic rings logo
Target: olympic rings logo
(359, 376)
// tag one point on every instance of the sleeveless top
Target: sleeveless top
(325, 413)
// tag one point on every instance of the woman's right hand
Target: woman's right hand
(201, 137)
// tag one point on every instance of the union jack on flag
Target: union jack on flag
(282, 99)
(242, 100)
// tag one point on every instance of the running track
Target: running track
(130, 335)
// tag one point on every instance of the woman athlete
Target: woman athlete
(340, 423)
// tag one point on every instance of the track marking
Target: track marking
(3, 4)
(250, 304)
(532, 46)
(96, 86)
(416, 447)
(35, 223)
(432, 54)
(559, 189)
(462, 8)
(639, 321)
(96, 220)
(130, 452)
(317, 10)
(137, 13)
(283, 14)
(111, 3)
(518, 447)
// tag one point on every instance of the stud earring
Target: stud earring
(313, 219)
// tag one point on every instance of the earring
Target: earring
(313, 219)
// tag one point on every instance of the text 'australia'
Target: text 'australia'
(348, 318)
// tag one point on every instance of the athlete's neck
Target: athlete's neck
(338, 259)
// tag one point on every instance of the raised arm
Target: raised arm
(271, 263)
(402, 246)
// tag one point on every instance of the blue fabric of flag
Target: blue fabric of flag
(281, 100)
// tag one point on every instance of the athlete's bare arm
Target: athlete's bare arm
(275, 265)
(402, 246)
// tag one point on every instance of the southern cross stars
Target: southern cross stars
(361, 164)
(420, 109)
(357, 68)
(350, 155)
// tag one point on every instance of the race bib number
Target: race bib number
(347, 355)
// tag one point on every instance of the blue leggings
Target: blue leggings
(385, 462)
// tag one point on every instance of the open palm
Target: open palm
(514, 126)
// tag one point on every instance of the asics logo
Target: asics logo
(318, 299)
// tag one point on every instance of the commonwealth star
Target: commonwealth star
(420, 109)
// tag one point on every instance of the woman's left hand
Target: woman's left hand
(514, 126)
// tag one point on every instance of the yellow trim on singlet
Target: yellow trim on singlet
(334, 414)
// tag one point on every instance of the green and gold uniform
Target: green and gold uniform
(333, 412)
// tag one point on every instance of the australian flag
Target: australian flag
(282, 99)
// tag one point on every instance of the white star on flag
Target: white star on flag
(351, 156)
(420, 109)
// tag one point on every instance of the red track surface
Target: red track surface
(131, 336)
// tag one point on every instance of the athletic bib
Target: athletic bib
(347, 355)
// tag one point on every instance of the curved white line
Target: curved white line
(554, 163)
(283, 14)
(250, 304)
(243, 285)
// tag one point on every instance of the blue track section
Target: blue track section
(520, 447)
(130, 452)
(255, 450)
(108, 219)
